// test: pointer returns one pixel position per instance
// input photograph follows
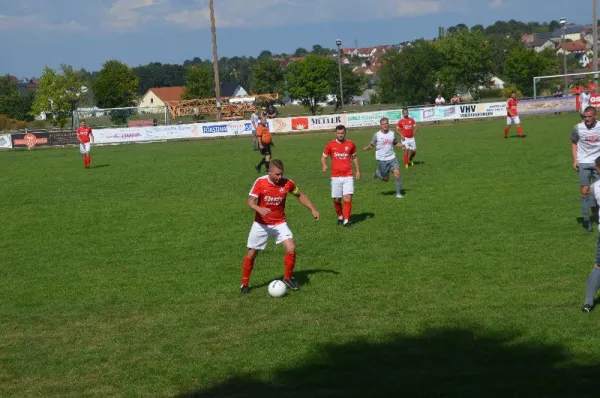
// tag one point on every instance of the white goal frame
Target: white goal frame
(538, 78)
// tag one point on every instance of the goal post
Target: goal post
(549, 77)
(121, 117)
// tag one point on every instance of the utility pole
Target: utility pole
(215, 58)
(595, 40)
(339, 43)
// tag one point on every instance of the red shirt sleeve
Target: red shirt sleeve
(291, 186)
(353, 149)
(327, 150)
(256, 188)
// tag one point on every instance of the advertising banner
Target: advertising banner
(29, 140)
(551, 105)
(63, 138)
(5, 141)
(490, 109)
(280, 125)
(327, 122)
(369, 119)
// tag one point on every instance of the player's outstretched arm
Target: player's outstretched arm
(367, 147)
(307, 203)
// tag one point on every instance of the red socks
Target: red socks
(520, 130)
(506, 131)
(347, 210)
(247, 266)
(289, 261)
(87, 160)
(338, 208)
(405, 158)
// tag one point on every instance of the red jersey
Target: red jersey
(272, 196)
(84, 134)
(341, 157)
(511, 107)
(407, 127)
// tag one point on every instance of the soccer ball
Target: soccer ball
(277, 288)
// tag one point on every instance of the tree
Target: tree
(408, 77)
(267, 77)
(265, 54)
(309, 81)
(523, 64)
(352, 83)
(199, 82)
(477, 28)
(319, 50)
(12, 103)
(156, 74)
(58, 93)
(300, 52)
(500, 45)
(116, 86)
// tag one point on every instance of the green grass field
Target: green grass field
(123, 280)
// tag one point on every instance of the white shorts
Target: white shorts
(511, 120)
(85, 148)
(341, 186)
(410, 144)
(259, 234)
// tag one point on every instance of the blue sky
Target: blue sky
(84, 34)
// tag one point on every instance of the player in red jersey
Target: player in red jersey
(267, 199)
(512, 116)
(407, 129)
(343, 154)
(86, 139)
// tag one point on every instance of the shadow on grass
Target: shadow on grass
(393, 193)
(437, 363)
(301, 276)
(360, 217)
(99, 166)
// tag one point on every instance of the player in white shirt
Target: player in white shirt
(255, 119)
(384, 142)
(585, 148)
(584, 99)
(593, 281)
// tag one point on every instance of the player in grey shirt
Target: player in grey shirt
(255, 119)
(385, 141)
(585, 148)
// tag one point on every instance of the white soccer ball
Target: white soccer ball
(277, 288)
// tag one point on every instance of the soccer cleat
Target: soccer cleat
(399, 196)
(406, 166)
(244, 290)
(291, 283)
(340, 222)
(348, 224)
(505, 136)
(412, 163)
(586, 308)
(524, 135)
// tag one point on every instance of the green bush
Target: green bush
(490, 93)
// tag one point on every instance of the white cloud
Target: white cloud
(125, 14)
(39, 22)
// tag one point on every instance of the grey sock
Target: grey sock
(585, 208)
(399, 186)
(592, 285)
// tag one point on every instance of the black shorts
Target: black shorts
(266, 149)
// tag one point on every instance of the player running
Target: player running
(86, 139)
(385, 141)
(593, 281)
(512, 116)
(343, 154)
(267, 199)
(407, 129)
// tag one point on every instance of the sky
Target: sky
(87, 33)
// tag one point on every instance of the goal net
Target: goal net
(541, 83)
(122, 117)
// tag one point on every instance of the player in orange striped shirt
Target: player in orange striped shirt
(264, 140)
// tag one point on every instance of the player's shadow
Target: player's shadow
(418, 162)
(97, 166)
(439, 362)
(360, 217)
(390, 193)
(302, 276)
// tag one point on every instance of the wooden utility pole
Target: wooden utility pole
(215, 58)
(595, 40)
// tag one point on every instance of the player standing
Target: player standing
(385, 141)
(86, 139)
(407, 129)
(585, 148)
(593, 281)
(264, 140)
(267, 199)
(255, 120)
(343, 154)
(512, 115)
(584, 100)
